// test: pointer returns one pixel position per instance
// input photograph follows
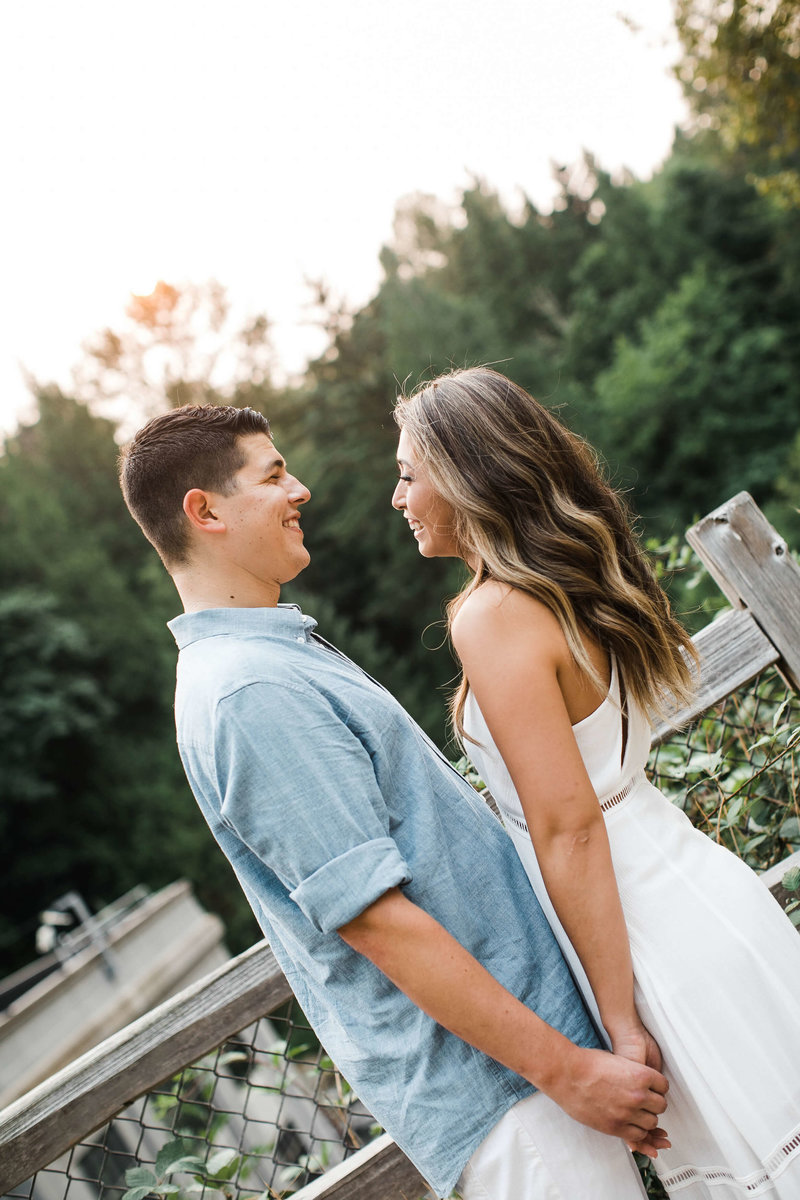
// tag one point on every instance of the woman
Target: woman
(567, 643)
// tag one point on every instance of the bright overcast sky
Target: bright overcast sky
(262, 143)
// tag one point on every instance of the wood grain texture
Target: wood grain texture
(378, 1172)
(751, 564)
(733, 649)
(87, 1093)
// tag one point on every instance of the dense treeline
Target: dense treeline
(660, 318)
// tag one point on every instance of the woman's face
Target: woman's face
(429, 516)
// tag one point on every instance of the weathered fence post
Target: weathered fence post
(380, 1171)
(751, 564)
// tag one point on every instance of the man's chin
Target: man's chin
(299, 568)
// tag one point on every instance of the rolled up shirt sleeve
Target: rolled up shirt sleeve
(299, 790)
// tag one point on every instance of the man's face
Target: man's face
(262, 516)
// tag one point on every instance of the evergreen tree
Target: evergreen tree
(741, 73)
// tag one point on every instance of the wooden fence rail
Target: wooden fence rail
(752, 566)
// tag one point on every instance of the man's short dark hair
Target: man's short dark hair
(196, 446)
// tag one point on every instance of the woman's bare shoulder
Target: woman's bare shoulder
(498, 611)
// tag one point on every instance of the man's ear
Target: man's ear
(198, 506)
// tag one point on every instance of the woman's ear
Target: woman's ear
(197, 505)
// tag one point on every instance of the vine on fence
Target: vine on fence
(735, 774)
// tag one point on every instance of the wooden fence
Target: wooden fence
(760, 579)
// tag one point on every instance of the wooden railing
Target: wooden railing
(753, 568)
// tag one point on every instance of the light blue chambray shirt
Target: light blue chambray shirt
(323, 793)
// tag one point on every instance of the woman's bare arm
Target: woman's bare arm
(513, 650)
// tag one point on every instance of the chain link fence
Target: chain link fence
(262, 1115)
(735, 772)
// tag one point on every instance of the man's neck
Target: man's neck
(200, 588)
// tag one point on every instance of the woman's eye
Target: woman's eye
(406, 479)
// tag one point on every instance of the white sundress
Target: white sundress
(716, 966)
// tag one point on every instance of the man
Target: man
(390, 896)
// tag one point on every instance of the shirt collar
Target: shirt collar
(286, 621)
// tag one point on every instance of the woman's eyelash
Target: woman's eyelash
(406, 478)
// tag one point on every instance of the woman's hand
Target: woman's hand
(636, 1042)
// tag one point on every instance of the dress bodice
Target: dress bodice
(600, 741)
(613, 751)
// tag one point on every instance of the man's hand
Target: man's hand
(613, 1095)
(602, 1090)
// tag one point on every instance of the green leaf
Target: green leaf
(760, 813)
(138, 1177)
(169, 1153)
(766, 740)
(138, 1193)
(705, 764)
(791, 879)
(289, 1174)
(732, 815)
(221, 1161)
(790, 829)
(795, 917)
(189, 1165)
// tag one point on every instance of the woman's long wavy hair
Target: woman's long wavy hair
(532, 509)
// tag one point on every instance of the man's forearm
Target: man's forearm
(443, 979)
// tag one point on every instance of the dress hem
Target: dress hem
(758, 1183)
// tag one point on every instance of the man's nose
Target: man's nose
(298, 491)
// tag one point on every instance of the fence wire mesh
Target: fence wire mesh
(262, 1115)
(267, 1111)
(735, 771)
